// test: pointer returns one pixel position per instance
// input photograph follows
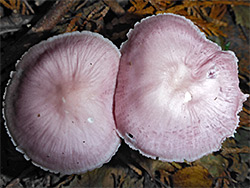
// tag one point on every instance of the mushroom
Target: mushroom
(177, 96)
(59, 103)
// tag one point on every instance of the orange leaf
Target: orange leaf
(195, 176)
(6, 4)
(140, 7)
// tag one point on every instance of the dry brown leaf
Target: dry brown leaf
(226, 151)
(223, 181)
(161, 4)
(151, 166)
(17, 5)
(135, 169)
(106, 176)
(23, 8)
(157, 170)
(165, 176)
(67, 180)
(72, 25)
(229, 143)
(208, 28)
(244, 120)
(6, 4)
(140, 8)
(115, 7)
(208, 20)
(114, 177)
(95, 178)
(195, 176)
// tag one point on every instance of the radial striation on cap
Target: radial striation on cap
(178, 94)
(59, 103)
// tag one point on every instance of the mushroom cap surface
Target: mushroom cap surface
(59, 103)
(178, 94)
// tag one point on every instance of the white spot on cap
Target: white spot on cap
(90, 120)
(66, 111)
(63, 100)
(188, 97)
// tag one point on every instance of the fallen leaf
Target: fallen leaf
(164, 176)
(133, 182)
(107, 176)
(215, 164)
(161, 4)
(227, 151)
(242, 137)
(229, 143)
(223, 181)
(90, 179)
(195, 176)
(242, 14)
(243, 142)
(158, 170)
(140, 7)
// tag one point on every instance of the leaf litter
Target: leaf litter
(228, 167)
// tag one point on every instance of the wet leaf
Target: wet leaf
(242, 137)
(214, 164)
(195, 176)
(243, 141)
(242, 14)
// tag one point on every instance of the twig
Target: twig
(226, 151)
(67, 180)
(29, 7)
(54, 15)
(81, 5)
(39, 2)
(115, 7)
(6, 4)
(13, 183)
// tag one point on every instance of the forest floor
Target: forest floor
(26, 23)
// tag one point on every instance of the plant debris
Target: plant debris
(24, 23)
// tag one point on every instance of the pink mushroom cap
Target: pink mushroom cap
(59, 103)
(178, 94)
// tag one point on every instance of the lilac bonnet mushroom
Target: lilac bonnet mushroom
(178, 94)
(59, 103)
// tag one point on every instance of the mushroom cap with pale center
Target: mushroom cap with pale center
(59, 103)
(178, 94)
